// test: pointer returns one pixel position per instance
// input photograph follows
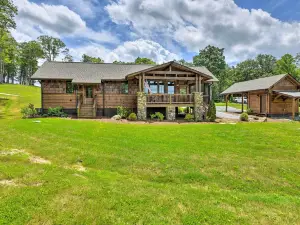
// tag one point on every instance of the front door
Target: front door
(89, 91)
(263, 104)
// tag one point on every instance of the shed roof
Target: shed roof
(253, 85)
(293, 94)
(80, 72)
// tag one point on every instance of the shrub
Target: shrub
(132, 117)
(211, 113)
(189, 117)
(123, 111)
(249, 111)
(28, 111)
(244, 117)
(157, 115)
(56, 112)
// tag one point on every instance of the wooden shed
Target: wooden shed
(275, 96)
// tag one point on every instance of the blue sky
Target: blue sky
(163, 30)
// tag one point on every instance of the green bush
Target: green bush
(123, 112)
(159, 116)
(249, 111)
(189, 117)
(244, 117)
(132, 117)
(28, 111)
(56, 112)
(211, 113)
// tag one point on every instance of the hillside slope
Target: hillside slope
(13, 97)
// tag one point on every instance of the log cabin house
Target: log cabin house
(93, 90)
(275, 96)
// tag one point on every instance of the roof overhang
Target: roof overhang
(169, 64)
(290, 94)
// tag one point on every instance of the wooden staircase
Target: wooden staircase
(87, 108)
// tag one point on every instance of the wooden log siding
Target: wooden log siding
(115, 100)
(67, 101)
(280, 106)
(53, 86)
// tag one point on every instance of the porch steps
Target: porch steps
(86, 111)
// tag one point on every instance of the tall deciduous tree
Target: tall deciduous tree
(140, 60)
(7, 13)
(68, 57)
(287, 64)
(30, 52)
(267, 64)
(212, 58)
(90, 59)
(51, 47)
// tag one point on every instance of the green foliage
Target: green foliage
(28, 111)
(51, 46)
(249, 111)
(244, 117)
(287, 65)
(185, 63)
(144, 61)
(132, 117)
(123, 112)
(211, 113)
(56, 112)
(68, 57)
(158, 115)
(189, 117)
(7, 13)
(90, 59)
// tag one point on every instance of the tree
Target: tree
(267, 64)
(51, 47)
(144, 61)
(30, 52)
(212, 58)
(287, 64)
(7, 13)
(185, 63)
(68, 57)
(247, 70)
(90, 59)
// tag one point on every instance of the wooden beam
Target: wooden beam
(143, 82)
(226, 100)
(170, 72)
(242, 102)
(140, 83)
(196, 81)
(278, 96)
(169, 78)
(200, 84)
(293, 108)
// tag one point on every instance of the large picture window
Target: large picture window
(69, 87)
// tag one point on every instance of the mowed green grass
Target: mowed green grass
(10, 106)
(150, 174)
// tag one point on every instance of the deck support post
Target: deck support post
(171, 113)
(141, 106)
(226, 100)
(293, 108)
(242, 102)
(198, 106)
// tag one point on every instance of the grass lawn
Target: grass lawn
(10, 105)
(149, 174)
(233, 105)
(63, 171)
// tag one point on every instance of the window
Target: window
(69, 88)
(124, 88)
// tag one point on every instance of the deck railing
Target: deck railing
(170, 99)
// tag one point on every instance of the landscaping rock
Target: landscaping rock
(116, 117)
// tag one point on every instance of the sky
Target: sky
(163, 30)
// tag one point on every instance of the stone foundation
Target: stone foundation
(141, 106)
(171, 113)
(198, 106)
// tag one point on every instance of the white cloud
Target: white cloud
(130, 50)
(34, 20)
(127, 52)
(196, 23)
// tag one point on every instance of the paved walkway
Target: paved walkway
(227, 115)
